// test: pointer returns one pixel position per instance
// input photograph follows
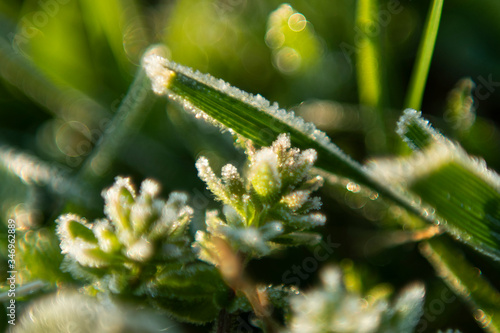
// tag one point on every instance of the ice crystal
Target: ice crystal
(267, 208)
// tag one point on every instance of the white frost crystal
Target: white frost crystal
(159, 74)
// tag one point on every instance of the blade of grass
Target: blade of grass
(460, 189)
(131, 112)
(465, 281)
(426, 48)
(368, 65)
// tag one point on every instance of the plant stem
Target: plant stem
(132, 110)
(368, 66)
(424, 56)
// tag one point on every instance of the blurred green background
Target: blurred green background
(66, 65)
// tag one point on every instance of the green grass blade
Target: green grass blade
(464, 280)
(252, 117)
(460, 189)
(424, 56)
(369, 68)
(416, 131)
(131, 112)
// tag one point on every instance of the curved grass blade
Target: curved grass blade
(238, 112)
(424, 56)
(461, 190)
(465, 281)
(132, 110)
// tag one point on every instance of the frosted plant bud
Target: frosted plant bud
(232, 180)
(214, 223)
(302, 163)
(313, 203)
(142, 250)
(264, 174)
(296, 199)
(174, 219)
(232, 216)
(176, 200)
(331, 308)
(214, 184)
(281, 146)
(272, 229)
(149, 190)
(141, 216)
(119, 199)
(205, 248)
(108, 242)
(249, 240)
(78, 241)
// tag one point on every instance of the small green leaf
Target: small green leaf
(197, 310)
(187, 281)
(75, 228)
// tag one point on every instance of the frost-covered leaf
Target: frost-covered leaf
(189, 281)
(250, 116)
(460, 192)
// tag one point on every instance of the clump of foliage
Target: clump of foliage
(267, 209)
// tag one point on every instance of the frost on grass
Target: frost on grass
(159, 71)
(416, 131)
(456, 190)
(32, 170)
(331, 308)
(137, 230)
(269, 207)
